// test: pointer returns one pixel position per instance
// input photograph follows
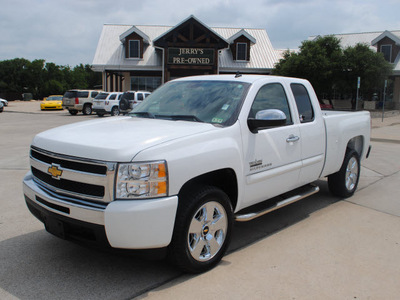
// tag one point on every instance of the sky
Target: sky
(66, 32)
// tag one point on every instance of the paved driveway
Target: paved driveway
(319, 248)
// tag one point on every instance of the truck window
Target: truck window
(271, 96)
(303, 102)
(101, 96)
(82, 94)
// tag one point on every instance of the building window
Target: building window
(241, 51)
(134, 49)
(387, 52)
(145, 83)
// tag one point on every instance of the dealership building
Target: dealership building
(142, 57)
(133, 57)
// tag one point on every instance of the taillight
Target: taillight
(77, 100)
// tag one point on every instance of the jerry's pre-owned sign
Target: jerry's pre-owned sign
(190, 56)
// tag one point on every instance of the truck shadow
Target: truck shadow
(38, 265)
(246, 233)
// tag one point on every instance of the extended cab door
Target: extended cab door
(312, 132)
(272, 156)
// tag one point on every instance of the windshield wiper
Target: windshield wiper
(143, 114)
(179, 117)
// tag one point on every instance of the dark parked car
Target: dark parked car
(130, 99)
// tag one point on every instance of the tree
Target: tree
(327, 66)
(20, 76)
(371, 67)
(319, 61)
(35, 73)
(13, 74)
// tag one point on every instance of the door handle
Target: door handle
(292, 138)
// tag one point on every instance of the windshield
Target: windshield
(54, 98)
(101, 96)
(215, 102)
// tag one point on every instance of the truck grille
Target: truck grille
(72, 177)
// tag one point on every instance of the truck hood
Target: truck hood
(115, 139)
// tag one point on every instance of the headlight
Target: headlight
(142, 180)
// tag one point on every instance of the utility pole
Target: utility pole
(358, 87)
(384, 99)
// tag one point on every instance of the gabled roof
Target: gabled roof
(134, 29)
(384, 34)
(351, 39)
(110, 54)
(240, 33)
(160, 40)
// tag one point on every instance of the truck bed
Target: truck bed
(341, 127)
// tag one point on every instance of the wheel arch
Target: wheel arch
(225, 179)
(357, 144)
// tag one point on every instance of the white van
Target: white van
(107, 103)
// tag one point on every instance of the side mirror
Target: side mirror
(266, 119)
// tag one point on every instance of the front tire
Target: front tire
(202, 231)
(344, 182)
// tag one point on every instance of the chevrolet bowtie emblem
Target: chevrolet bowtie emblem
(55, 171)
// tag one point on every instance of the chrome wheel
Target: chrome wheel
(203, 228)
(207, 231)
(352, 170)
(344, 182)
(87, 109)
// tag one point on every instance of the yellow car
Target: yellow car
(52, 102)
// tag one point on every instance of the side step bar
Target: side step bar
(308, 191)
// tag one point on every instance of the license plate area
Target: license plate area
(54, 227)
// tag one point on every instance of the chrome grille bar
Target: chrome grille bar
(73, 177)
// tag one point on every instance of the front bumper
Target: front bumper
(134, 224)
(44, 106)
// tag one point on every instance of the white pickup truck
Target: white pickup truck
(200, 153)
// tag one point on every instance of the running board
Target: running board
(305, 192)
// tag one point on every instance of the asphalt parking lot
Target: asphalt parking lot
(319, 248)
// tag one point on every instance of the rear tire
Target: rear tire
(73, 112)
(87, 109)
(202, 231)
(115, 111)
(344, 182)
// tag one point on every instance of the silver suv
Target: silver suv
(79, 100)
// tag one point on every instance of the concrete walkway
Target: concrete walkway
(347, 250)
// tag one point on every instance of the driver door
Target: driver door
(273, 155)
